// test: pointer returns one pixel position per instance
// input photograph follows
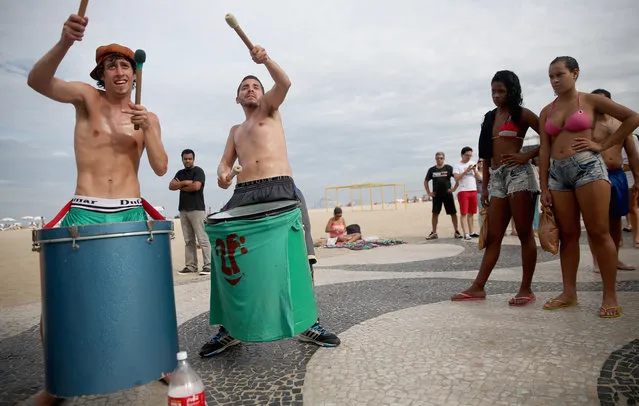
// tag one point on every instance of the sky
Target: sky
(377, 86)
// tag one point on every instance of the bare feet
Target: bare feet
(43, 398)
(624, 267)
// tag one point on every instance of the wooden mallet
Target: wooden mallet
(83, 7)
(140, 58)
(232, 22)
(234, 171)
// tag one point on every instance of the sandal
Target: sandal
(554, 304)
(606, 312)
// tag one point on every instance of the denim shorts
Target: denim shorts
(508, 180)
(575, 171)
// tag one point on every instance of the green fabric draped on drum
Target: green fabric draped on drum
(261, 287)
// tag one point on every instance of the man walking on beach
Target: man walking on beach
(466, 175)
(442, 193)
(190, 182)
(259, 145)
(107, 147)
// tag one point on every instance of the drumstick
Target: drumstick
(140, 58)
(83, 7)
(232, 22)
(236, 169)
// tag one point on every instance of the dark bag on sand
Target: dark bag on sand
(353, 229)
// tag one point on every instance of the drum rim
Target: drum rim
(103, 236)
(292, 203)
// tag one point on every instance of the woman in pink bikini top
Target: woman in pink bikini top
(575, 183)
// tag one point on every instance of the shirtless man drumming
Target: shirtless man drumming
(107, 147)
(260, 147)
(605, 126)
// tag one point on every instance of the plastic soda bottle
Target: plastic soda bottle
(185, 387)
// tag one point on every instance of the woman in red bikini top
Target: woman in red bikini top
(576, 182)
(510, 179)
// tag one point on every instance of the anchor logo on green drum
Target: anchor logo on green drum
(222, 248)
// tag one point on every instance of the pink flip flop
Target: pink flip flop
(465, 297)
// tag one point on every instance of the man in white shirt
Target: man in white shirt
(466, 175)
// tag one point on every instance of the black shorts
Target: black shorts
(262, 191)
(447, 200)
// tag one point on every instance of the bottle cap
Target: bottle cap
(181, 356)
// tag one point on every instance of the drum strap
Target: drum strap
(155, 215)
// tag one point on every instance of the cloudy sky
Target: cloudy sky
(378, 86)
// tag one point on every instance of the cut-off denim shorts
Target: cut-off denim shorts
(508, 180)
(575, 171)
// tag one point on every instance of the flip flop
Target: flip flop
(627, 229)
(554, 304)
(606, 309)
(465, 297)
(519, 301)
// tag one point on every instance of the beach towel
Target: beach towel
(367, 244)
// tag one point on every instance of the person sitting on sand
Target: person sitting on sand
(336, 228)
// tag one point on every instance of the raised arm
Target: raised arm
(42, 79)
(274, 97)
(228, 158)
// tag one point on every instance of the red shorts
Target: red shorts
(467, 202)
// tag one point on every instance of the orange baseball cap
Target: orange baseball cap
(104, 51)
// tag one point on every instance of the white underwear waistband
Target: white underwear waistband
(103, 205)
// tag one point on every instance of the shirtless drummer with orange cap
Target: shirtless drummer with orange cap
(108, 148)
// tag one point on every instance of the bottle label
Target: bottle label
(193, 400)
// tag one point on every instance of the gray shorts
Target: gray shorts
(575, 171)
(508, 180)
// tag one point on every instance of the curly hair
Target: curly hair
(113, 57)
(514, 99)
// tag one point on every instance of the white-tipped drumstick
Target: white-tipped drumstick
(234, 171)
(232, 22)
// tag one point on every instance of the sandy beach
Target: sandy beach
(20, 269)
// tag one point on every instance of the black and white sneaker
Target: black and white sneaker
(220, 342)
(474, 235)
(205, 271)
(458, 235)
(432, 236)
(467, 237)
(186, 271)
(319, 336)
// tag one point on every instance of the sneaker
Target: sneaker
(219, 343)
(474, 235)
(205, 271)
(185, 271)
(467, 237)
(318, 335)
(458, 235)
(432, 236)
